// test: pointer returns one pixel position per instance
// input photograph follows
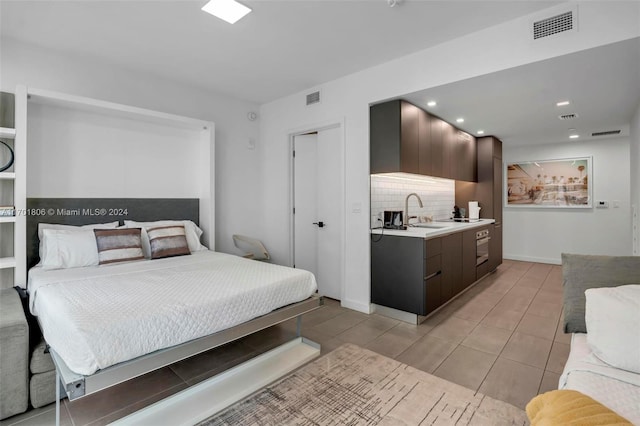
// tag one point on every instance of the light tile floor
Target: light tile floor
(503, 337)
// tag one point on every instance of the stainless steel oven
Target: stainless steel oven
(482, 246)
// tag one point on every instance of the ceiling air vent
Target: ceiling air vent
(606, 133)
(313, 98)
(554, 25)
(568, 116)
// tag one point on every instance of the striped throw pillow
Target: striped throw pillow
(118, 245)
(167, 241)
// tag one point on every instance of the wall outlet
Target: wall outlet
(602, 204)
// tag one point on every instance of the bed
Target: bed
(109, 323)
(602, 296)
(616, 389)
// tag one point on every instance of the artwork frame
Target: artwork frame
(564, 183)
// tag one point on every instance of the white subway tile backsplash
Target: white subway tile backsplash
(388, 192)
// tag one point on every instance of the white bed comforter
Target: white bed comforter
(95, 317)
(615, 388)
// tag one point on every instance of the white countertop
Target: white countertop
(444, 228)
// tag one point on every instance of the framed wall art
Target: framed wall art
(563, 183)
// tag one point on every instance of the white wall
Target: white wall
(497, 48)
(635, 180)
(238, 198)
(541, 235)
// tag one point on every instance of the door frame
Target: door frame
(309, 128)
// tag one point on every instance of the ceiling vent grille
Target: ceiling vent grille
(554, 25)
(568, 116)
(313, 98)
(606, 133)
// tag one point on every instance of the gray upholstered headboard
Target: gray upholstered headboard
(83, 211)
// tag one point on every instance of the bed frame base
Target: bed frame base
(213, 395)
(77, 385)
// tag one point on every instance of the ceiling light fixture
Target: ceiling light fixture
(574, 136)
(563, 103)
(480, 132)
(460, 120)
(227, 10)
(431, 103)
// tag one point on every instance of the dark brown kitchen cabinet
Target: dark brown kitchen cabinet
(495, 247)
(437, 146)
(394, 137)
(406, 273)
(397, 273)
(449, 143)
(425, 151)
(489, 192)
(405, 138)
(466, 157)
(469, 258)
(433, 275)
(451, 266)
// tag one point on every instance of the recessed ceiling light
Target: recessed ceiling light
(459, 120)
(227, 10)
(431, 103)
(480, 132)
(563, 103)
(574, 136)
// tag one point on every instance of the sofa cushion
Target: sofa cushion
(613, 317)
(582, 272)
(569, 407)
(42, 389)
(41, 361)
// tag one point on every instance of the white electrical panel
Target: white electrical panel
(602, 204)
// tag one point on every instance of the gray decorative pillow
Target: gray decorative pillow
(118, 245)
(582, 272)
(167, 241)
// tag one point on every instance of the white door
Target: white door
(318, 202)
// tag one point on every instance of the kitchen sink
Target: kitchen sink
(429, 225)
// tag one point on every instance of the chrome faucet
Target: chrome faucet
(406, 208)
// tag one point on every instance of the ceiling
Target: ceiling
(282, 47)
(518, 105)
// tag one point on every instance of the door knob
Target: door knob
(320, 224)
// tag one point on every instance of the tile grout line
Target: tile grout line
(479, 323)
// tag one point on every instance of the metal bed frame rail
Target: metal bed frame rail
(77, 385)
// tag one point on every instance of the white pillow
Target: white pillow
(193, 233)
(43, 226)
(68, 248)
(613, 325)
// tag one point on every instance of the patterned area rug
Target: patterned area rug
(354, 386)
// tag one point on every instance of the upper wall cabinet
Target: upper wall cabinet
(394, 137)
(405, 138)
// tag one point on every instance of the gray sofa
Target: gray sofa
(14, 355)
(26, 376)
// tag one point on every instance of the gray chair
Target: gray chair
(14, 355)
(252, 248)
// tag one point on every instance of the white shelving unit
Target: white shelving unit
(7, 175)
(17, 183)
(6, 133)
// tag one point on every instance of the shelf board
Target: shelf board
(46, 97)
(7, 262)
(7, 175)
(7, 133)
(7, 219)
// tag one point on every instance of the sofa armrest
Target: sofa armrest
(14, 355)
